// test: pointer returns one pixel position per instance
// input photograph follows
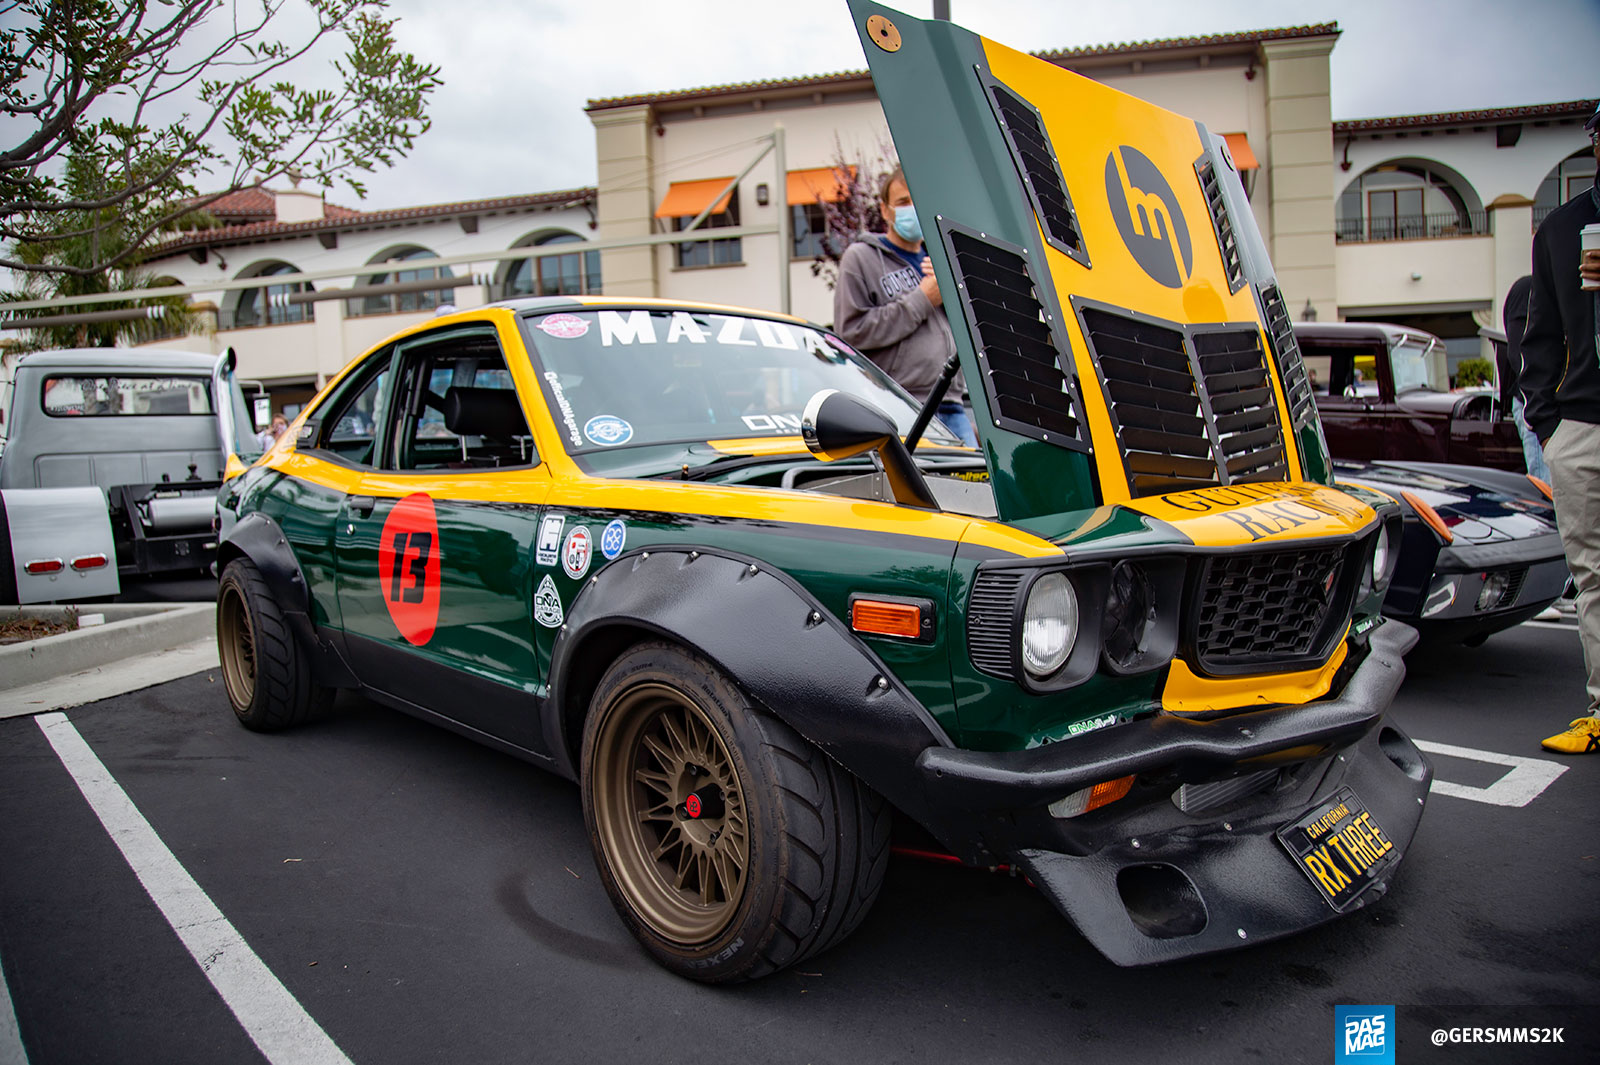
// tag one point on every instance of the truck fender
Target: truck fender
(67, 525)
(766, 632)
(258, 538)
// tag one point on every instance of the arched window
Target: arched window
(571, 274)
(1573, 176)
(269, 304)
(1409, 199)
(401, 302)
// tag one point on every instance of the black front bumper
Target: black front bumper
(1145, 881)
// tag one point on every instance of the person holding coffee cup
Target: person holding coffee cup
(1561, 397)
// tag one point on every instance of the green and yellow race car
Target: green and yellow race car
(717, 568)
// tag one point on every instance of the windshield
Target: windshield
(636, 378)
(1419, 363)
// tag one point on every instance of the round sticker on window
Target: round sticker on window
(563, 326)
(608, 430)
(409, 567)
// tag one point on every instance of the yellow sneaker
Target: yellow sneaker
(1582, 738)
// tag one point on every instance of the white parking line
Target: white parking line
(1528, 776)
(274, 1020)
(1569, 627)
(11, 1052)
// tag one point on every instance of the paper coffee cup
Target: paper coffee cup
(1591, 242)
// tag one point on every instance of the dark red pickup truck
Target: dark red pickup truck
(1383, 392)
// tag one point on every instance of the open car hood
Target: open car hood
(1111, 298)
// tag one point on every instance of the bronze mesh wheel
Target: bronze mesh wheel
(236, 644)
(729, 845)
(669, 807)
(264, 672)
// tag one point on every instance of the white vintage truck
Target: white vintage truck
(111, 463)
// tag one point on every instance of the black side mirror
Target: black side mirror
(840, 426)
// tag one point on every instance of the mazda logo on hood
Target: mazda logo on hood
(1148, 218)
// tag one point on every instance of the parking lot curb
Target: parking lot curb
(130, 631)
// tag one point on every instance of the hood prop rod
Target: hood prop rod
(940, 387)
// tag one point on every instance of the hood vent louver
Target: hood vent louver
(1296, 386)
(1021, 353)
(1041, 174)
(1191, 408)
(1243, 408)
(1155, 406)
(1227, 242)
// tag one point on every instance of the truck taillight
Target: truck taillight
(41, 566)
(87, 562)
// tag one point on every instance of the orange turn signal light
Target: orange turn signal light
(1429, 516)
(1091, 798)
(1543, 487)
(886, 619)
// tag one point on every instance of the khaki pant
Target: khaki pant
(1573, 455)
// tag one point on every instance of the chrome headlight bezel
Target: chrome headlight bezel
(1050, 625)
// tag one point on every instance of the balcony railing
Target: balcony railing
(1541, 213)
(1412, 227)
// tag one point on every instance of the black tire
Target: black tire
(264, 672)
(815, 839)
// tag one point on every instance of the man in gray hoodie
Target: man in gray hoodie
(887, 305)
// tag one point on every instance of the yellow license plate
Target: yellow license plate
(1340, 847)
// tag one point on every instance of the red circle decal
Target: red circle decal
(692, 805)
(409, 567)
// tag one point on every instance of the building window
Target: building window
(1571, 177)
(574, 273)
(402, 302)
(269, 304)
(1407, 201)
(810, 226)
(711, 252)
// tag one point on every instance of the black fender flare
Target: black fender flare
(767, 633)
(259, 538)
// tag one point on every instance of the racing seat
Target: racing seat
(492, 417)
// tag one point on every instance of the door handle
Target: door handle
(360, 506)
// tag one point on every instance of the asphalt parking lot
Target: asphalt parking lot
(421, 899)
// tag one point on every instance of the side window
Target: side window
(461, 410)
(350, 428)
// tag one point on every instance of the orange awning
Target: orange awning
(689, 198)
(818, 185)
(1239, 147)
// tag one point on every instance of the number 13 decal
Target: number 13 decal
(409, 565)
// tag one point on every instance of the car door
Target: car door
(1352, 418)
(436, 541)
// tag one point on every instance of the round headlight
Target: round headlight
(1130, 611)
(1381, 556)
(1049, 624)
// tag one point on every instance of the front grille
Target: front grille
(1041, 174)
(1156, 408)
(1022, 357)
(1243, 408)
(991, 613)
(1227, 242)
(1271, 609)
(1296, 385)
